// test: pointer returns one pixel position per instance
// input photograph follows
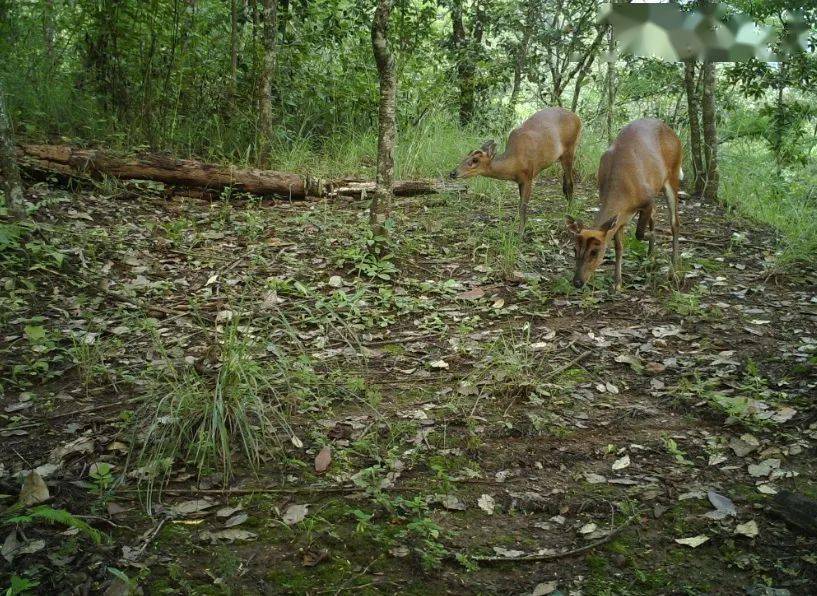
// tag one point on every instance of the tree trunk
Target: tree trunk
(283, 20)
(521, 57)
(381, 203)
(611, 84)
(577, 89)
(233, 47)
(779, 121)
(12, 187)
(268, 21)
(710, 132)
(206, 178)
(48, 29)
(465, 70)
(693, 110)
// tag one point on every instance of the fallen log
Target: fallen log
(204, 178)
(797, 510)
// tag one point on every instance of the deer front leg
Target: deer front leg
(652, 235)
(567, 177)
(619, 237)
(524, 196)
(671, 194)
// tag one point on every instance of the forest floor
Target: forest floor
(473, 403)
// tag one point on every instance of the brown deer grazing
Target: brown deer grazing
(548, 135)
(644, 160)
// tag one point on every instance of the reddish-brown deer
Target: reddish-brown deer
(643, 161)
(549, 135)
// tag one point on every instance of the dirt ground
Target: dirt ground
(491, 429)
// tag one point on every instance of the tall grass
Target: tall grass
(751, 187)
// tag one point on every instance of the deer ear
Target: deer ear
(574, 226)
(489, 147)
(609, 224)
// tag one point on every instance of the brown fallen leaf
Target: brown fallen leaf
(473, 294)
(312, 558)
(34, 490)
(192, 506)
(295, 513)
(116, 508)
(323, 459)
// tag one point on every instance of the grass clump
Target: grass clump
(202, 417)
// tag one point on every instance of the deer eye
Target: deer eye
(594, 253)
(474, 161)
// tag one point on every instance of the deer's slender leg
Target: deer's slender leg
(671, 194)
(619, 240)
(524, 196)
(567, 175)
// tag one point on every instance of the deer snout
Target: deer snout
(578, 283)
(453, 175)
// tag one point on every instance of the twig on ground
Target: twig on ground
(150, 538)
(74, 413)
(268, 490)
(561, 555)
(560, 369)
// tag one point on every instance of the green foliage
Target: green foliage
(785, 203)
(20, 585)
(44, 513)
(368, 254)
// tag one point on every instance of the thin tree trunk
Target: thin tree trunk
(48, 29)
(779, 118)
(693, 110)
(12, 187)
(521, 57)
(710, 131)
(611, 85)
(577, 89)
(233, 47)
(283, 19)
(381, 203)
(268, 21)
(465, 70)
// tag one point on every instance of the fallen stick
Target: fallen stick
(565, 366)
(561, 555)
(43, 419)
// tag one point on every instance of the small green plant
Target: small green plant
(672, 447)
(180, 232)
(88, 357)
(20, 585)
(507, 251)
(43, 513)
(101, 474)
(254, 225)
(369, 255)
(684, 304)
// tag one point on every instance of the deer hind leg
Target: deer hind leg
(671, 193)
(524, 195)
(646, 225)
(619, 242)
(567, 173)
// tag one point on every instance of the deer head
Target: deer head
(591, 245)
(477, 162)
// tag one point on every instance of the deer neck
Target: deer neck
(503, 167)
